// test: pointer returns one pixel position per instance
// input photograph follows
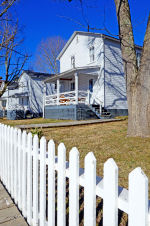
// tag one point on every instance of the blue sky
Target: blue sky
(42, 19)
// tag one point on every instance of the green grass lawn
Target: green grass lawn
(105, 140)
(28, 121)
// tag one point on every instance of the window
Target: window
(91, 54)
(24, 101)
(72, 86)
(91, 85)
(72, 61)
(138, 57)
(55, 86)
(3, 103)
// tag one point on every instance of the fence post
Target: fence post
(74, 187)
(24, 174)
(110, 208)
(35, 180)
(138, 198)
(42, 181)
(90, 190)
(29, 178)
(61, 189)
(51, 183)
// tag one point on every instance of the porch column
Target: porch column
(76, 87)
(58, 91)
(44, 95)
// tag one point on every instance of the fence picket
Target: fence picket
(12, 161)
(42, 181)
(8, 159)
(5, 156)
(35, 180)
(61, 188)
(51, 183)
(29, 178)
(90, 190)
(24, 174)
(110, 207)
(2, 150)
(138, 198)
(20, 169)
(16, 165)
(74, 187)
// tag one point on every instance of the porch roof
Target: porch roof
(16, 95)
(71, 72)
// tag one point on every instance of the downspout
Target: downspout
(104, 65)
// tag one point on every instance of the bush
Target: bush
(37, 131)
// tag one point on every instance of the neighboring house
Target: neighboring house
(26, 93)
(91, 81)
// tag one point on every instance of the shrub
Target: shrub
(37, 131)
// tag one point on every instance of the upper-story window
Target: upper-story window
(91, 53)
(138, 58)
(72, 61)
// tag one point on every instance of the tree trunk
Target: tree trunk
(137, 80)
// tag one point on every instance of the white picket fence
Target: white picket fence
(23, 169)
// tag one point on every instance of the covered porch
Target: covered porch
(73, 87)
(73, 95)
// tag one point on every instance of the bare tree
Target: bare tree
(47, 53)
(138, 79)
(5, 5)
(12, 57)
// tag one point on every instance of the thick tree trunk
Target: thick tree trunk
(137, 80)
(144, 80)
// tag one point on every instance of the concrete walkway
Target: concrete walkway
(9, 214)
(64, 124)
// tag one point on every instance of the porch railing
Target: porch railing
(67, 98)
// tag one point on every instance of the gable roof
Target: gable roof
(88, 34)
(34, 74)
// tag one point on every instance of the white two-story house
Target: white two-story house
(91, 81)
(24, 96)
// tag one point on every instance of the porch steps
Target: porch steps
(92, 111)
(104, 114)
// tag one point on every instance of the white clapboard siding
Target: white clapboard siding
(24, 168)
